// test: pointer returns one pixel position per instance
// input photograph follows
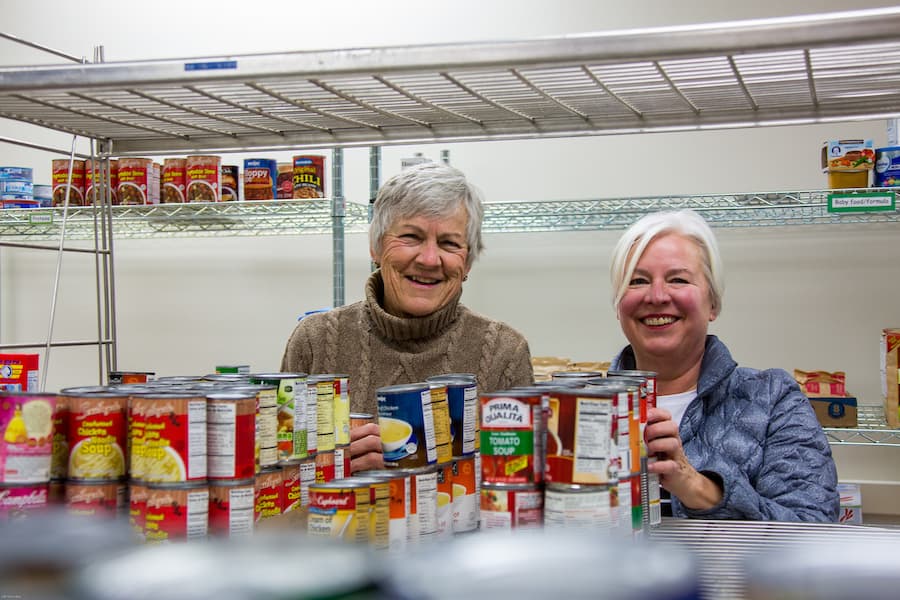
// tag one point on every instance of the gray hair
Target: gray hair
(432, 190)
(686, 223)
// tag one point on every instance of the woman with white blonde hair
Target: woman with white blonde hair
(732, 442)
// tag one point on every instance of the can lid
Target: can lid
(402, 387)
(631, 373)
(231, 396)
(276, 376)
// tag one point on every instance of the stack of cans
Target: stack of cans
(17, 188)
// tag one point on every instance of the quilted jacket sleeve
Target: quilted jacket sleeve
(788, 473)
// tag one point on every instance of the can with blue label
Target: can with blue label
(407, 425)
(16, 174)
(887, 167)
(462, 396)
(260, 177)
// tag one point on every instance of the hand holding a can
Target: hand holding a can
(676, 474)
(365, 448)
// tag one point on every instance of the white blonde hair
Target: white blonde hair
(686, 223)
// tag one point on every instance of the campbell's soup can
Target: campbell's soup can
(291, 396)
(511, 506)
(342, 461)
(230, 188)
(581, 443)
(176, 511)
(135, 181)
(340, 509)
(62, 185)
(231, 430)
(512, 436)
(26, 450)
(137, 507)
(465, 502)
(309, 177)
(462, 401)
(268, 493)
(99, 498)
(203, 178)
(440, 412)
(399, 485)
(173, 183)
(324, 390)
(407, 425)
(423, 525)
(341, 409)
(577, 506)
(169, 436)
(324, 467)
(22, 500)
(97, 437)
(231, 510)
(260, 178)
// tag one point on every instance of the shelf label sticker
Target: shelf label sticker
(861, 202)
(210, 65)
(40, 218)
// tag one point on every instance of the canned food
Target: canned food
(173, 182)
(176, 511)
(102, 498)
(137, 508)
(465, 495)
(292, 412)
(360, 419)
(423, 501)
(57, 493)
(340, 509)
(260, 177)
(235, 369)
(379, 510)
(203, 178)
(307, 478)
(20, 500)
(399, 484)
(136, 184)
(341, 409)
(63, 186)
(511, 506)
(342, 461)
(230, 176)
(462, 398)
(26, 450)
(266, 423)
(231, 432)
(96, 193)
(324, 467)
(627, 422)
(97, 435)
(231, 508)
(324, 390)
(128, 377)
(268, 494)
(512, 434)
(309, 177)
(581, 440)
(407, 425)
(290, 482)
(284, 185)
(444, 507)
(578, 506)
(168, 436)
(441, 414)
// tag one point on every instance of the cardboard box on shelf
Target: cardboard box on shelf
(835, 411)
(848, 163)
(890, 375)
(851, 503)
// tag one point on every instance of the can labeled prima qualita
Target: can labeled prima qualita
(440, 412)
(399, 512)
(22, 500)
(292, 408)
(407, 425)
(231, 432)
(462, 400)
(579, 506)
(231, 511)
(340, 509)
(168, 436)
(176, 511)
(512, 436)
(465, 495)
(581, 444)
(511, 506)
(324, 391)
(97, 433)
(268, 494)
(26, 450)
(99, 498)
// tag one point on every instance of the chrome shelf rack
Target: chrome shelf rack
(872, 430)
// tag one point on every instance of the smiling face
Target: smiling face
(423, 263)
(666, 308)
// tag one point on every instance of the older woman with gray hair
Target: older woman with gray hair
(424, 237)
(732, 442)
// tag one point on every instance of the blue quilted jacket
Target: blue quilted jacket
(757, 432)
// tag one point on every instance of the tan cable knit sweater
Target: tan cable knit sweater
(378, 349)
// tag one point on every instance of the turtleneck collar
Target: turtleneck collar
(405, 328)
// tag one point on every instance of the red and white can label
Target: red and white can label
(176, 512)
(231, 508)
(509, 508)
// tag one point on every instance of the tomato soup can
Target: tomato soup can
(268, 494)
(407, 425)
(340, 509)
(568, 505)
(342, 461)
(26, 449)
(511, 506)
(173, 181)
(440, 412)
(341, 409)
(309, 177)
(462, 399)
(444, 510)
(324, 393)
(137, 508)
(266, 423)
(169, 436)
(231, 507)
(399, 508)
(23, 500)
(291, 397)
(291, 484)
(135, 181)
(63, 185)
(97, 435)
(324, 466)
(379, 511)
(176, 511)
(260, 177)
(423, 524)
(580, 436)
(203, 178)
(465, 503)
(512, 436)
(231, 432)
(98, 498)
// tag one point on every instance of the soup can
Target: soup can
(465, 495)
(360, 419)
(581, 444)
(266, 424)
(168, 436)
(173, 181)
(63, 185)
(628, 423)
(407, 425)
(203, 178)
(399, 513)
(341, 409)
(324, 392)
(512, 436)
(96, 192)
(291, 484)
(440, 412)
(444, 506)
(324, 466)
(268, 498)
(23, 500)
(511, 506)
(135, 181)
(578, 506)
(176, 511)
(98, 498)
(26, 449)
(231, 511)
(97, 435)
(292, 408)
(340, 509)
(231, 432)
(137, 508)
(59, 461)
(307, 478)
(379, 511)
(342, 461)
(462, 399)
(423, 501)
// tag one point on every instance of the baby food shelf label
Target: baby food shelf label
(861, 202)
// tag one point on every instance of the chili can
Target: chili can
(309, 177)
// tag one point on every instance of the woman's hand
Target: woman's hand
(676, 474)
(365, 448)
